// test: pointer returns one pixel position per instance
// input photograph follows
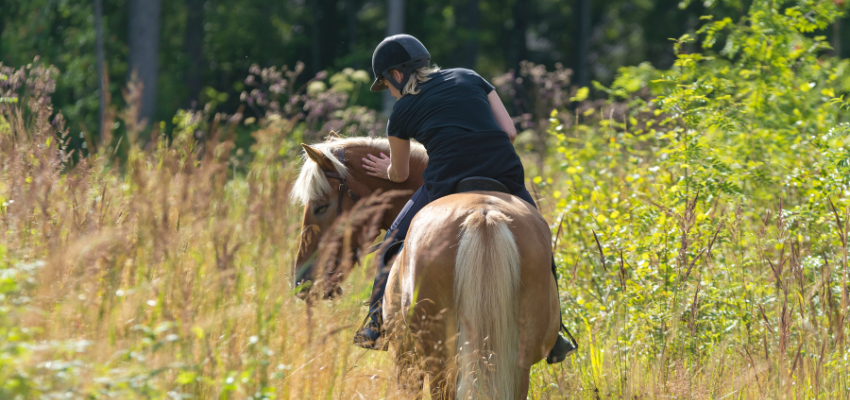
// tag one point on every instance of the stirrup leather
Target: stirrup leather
(569, 335)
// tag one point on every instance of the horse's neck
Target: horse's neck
(371, 184)
(413, 182)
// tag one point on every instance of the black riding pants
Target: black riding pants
(398, 231)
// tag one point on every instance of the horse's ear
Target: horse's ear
(318, 157)
(333, 135)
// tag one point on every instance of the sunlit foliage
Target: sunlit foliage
(700, 218)
(704, 233)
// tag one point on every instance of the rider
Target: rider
(466, 131)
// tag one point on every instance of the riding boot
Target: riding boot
(563, 347)
(372, 331)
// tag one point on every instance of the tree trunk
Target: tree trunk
(194, 50)
(395, 25)
(351, 11)
(325, 33)
(329, 33)
(505, 33)
(836, 38)
(98, 33)
(520, 50)
(6, 9)
(315, 37)
(472, 42)
(583, 23)
(143, 41)
(395, 17)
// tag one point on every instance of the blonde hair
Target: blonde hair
(417, 77)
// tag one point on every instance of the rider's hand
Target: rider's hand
(377, 166)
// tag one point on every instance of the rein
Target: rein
(340, 155)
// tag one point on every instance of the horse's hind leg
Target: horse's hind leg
(409, 374)
(437, 349)
(524, 378)
(410, 377)
(439, 385)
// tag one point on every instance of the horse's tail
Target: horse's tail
(486, 294)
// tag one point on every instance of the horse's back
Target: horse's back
(427, 273)
(432, 240)
(445, 215)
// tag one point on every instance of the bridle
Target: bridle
(343, 186)
(340, 155)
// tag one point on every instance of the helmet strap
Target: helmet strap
(406, 69)
(398, 85)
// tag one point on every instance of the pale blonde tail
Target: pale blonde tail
(486, 294)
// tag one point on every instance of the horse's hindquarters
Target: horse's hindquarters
(486, 296)
(419, 314)
(437, 301)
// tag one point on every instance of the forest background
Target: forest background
(692, 159)
(191, 53)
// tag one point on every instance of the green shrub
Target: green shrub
(706, 231)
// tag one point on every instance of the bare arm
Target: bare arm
(396, 167)
(399, 169)
(501, 114)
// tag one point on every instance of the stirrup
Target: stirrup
(563, 347)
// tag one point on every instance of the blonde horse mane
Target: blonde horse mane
(312, 184)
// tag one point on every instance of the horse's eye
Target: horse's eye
(321, 209)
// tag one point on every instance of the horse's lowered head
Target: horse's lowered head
(328, 186)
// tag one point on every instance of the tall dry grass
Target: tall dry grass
(164, 272)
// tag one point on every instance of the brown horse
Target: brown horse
(470, 299)
(327, 186)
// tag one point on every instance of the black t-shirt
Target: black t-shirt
(452, 118)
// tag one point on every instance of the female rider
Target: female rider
(466, 131)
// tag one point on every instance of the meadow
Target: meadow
(699, 215)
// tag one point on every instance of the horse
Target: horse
(470, 301)
(324, 204)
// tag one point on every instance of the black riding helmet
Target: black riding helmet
(402, 52)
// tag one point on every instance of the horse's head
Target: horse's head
(328, 188)
(323, 187)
